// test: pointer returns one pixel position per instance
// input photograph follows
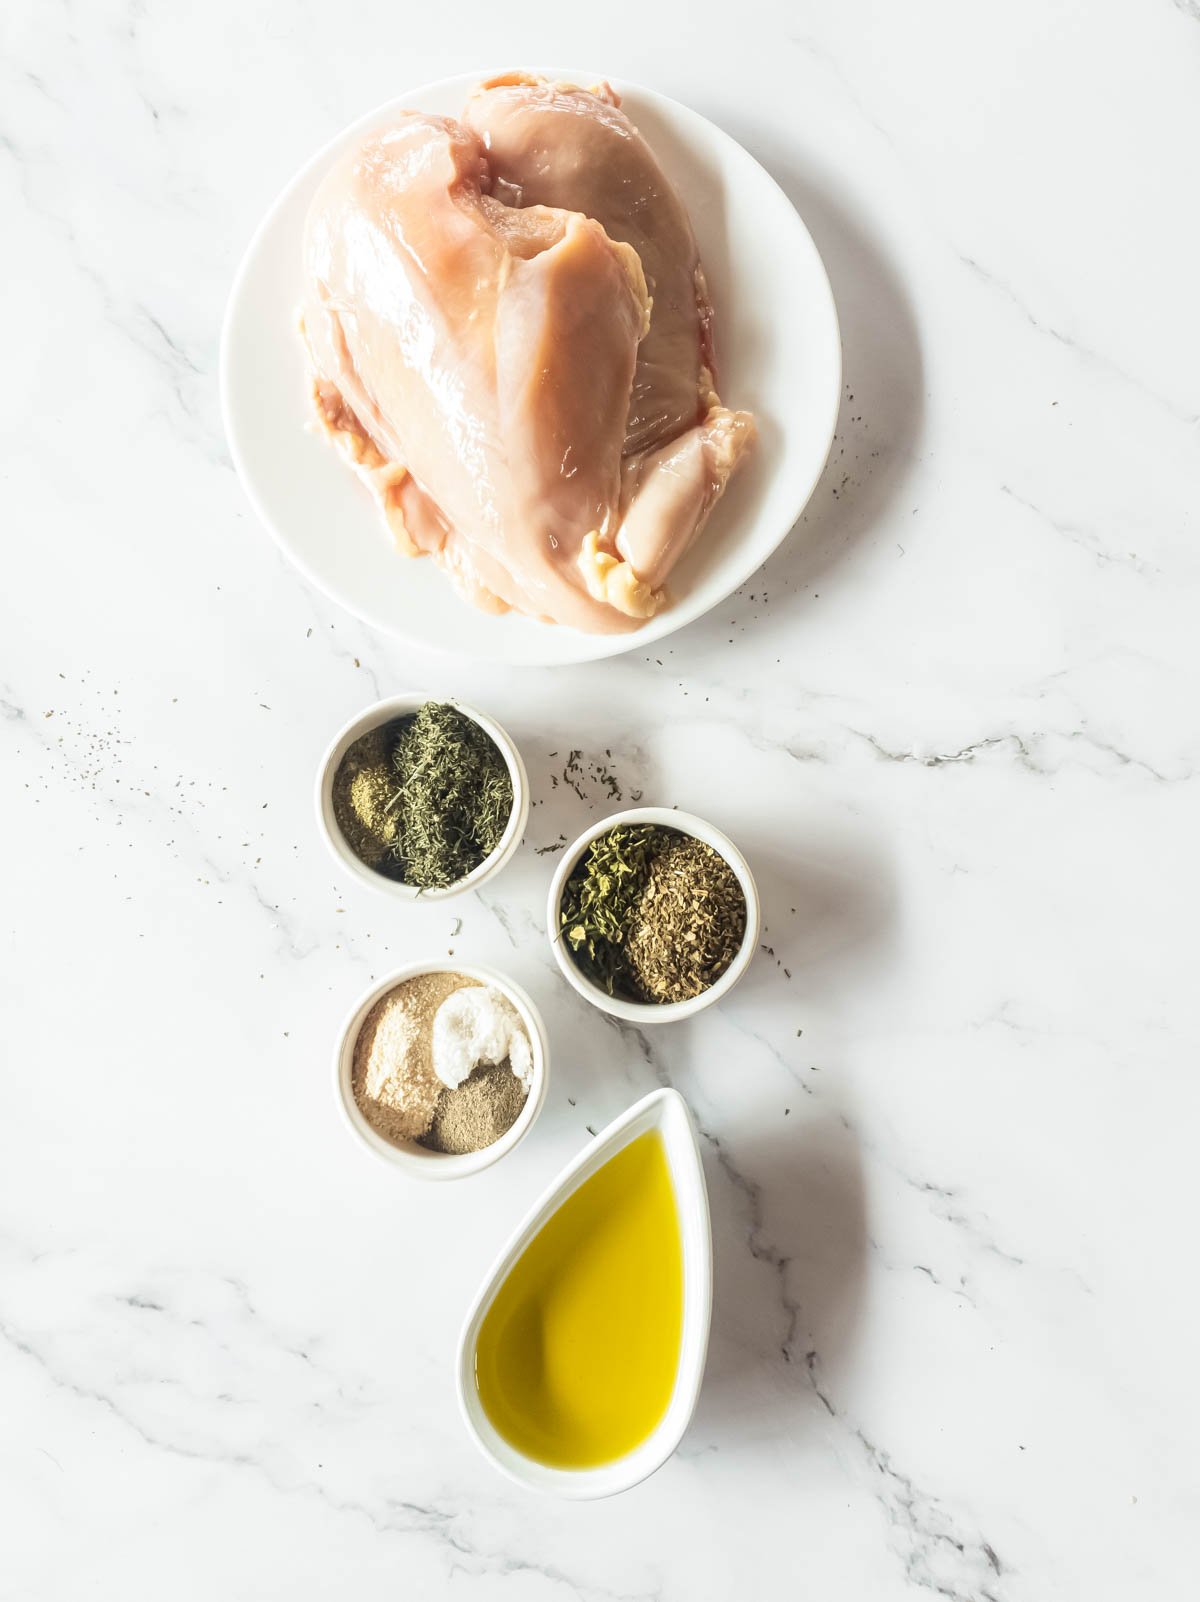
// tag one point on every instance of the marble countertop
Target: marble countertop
(949, 1117)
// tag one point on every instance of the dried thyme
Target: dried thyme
(456, 796)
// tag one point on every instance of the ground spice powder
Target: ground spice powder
(392, 1074)
(479, 1111)
(364, 788)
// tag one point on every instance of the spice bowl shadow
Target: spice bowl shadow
(421, 1162)
(374, 717)
(646, 1012)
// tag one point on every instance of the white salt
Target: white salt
(479, 1025)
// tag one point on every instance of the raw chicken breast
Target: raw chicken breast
(475, 362)
(511, 342)
(554, 144)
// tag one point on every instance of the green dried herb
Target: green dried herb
(455, 797)
(599, 897)
(688, 923)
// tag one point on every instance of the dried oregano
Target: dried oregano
(688, 923)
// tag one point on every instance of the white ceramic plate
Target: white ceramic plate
(778, 354)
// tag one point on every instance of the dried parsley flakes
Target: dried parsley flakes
(599, 898)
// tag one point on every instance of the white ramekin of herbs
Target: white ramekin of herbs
(422, 798)
(653, 915)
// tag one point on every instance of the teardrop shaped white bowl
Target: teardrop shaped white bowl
(666, 1112)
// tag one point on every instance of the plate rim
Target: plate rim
(598, 646)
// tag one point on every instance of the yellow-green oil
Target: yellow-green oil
(577, 1355)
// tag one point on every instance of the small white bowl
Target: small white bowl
(383, 712)
(417, 1160)
(643, 1012)
(667, 1112)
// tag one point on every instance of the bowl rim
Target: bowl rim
(371, 717)
(643, 1012)
(666, 1111)
(418, 1161)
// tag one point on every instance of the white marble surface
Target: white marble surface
(950, 1122)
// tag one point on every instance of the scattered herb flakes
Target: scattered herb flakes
(587, 778)
(573, 773)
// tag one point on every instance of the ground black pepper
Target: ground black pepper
(485, 1106)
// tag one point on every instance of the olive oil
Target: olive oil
(576, 1358)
